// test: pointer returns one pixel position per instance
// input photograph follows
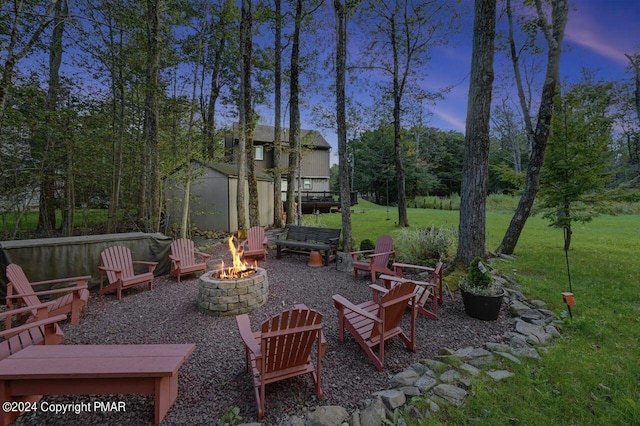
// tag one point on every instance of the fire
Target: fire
(239, 268)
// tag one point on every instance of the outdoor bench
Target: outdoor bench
(304, 239)
(93, 370)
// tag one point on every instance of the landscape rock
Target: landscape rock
(405, 378)
(449, 393)
(392, 398)
(328, 415)
(374, 414)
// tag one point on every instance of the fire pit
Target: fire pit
(233, 290)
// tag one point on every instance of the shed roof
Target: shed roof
(231, 169)
(264, 134)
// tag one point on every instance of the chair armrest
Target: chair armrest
(28, 326)
(244, 325)
(382, 254)
(377, 289)
(362, 252)
(205, 256)
(81, 279)
(340, 302)
(151, 265)
(37, 307)
(56, 291)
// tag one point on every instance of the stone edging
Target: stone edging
(446, 378)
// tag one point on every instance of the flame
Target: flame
(239, 267)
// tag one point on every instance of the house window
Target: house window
(259, 152)
(306, 185)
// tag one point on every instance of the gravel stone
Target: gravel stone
(214, 378)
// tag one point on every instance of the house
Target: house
(314, 164)
(213, 197)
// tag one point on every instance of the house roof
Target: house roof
(264, 134)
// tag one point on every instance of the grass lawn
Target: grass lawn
(592, 375)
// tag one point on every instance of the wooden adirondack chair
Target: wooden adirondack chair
(183, 258)
(374, 322)
(378, 259)
(43, 329)
(21, 292)
(256, 243)
(282, 349)
(116, 262)
(435, 275)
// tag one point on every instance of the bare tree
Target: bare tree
(245, 109)
(475, 169)
(53, 140)
(406, 30)
(150, 201)
(294, 116)
(277, 128)
(539, 134)
(343, 161)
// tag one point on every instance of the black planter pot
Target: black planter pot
(486, 308)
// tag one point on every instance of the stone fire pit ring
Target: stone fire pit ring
(232, 296)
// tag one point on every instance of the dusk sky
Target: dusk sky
(598, 34)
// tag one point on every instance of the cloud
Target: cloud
(584, 30)
(454, 121)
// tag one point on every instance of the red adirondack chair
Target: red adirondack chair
(377, 260)
(43, 329)
(21, 292)
(435, 275)
(184, 258)
(256, 244)
(116, 262)
(374, 322)
(282, 349)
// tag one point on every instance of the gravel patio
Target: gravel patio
(214, 378)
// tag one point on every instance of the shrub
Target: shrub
(479, 280)
(424, 246)
(367, 244)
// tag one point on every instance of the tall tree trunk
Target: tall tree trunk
(151, 201)
(277, 130)
(294, 120)
(47, 209)
(245, 99)
(254, 207)
(633, 140)
(403, 220)
(186, 204)
(209, 116)
(475, 172)
(343, 161)
(55, 55)
(118, 129)
(540, 135)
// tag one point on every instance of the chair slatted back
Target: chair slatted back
(19, 284)
(117, 257)
(183, 249)
(384, 244)
(255, 238)
(287, 338)
(436, 278)
(392, 307)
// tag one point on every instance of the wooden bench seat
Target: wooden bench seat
(94, 370)
(304, 239)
